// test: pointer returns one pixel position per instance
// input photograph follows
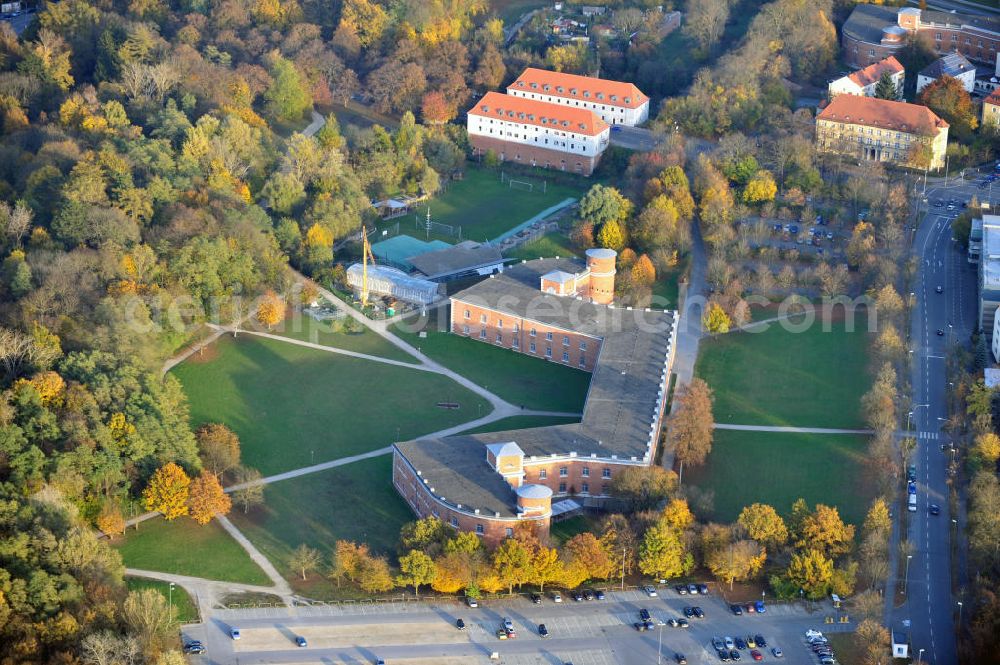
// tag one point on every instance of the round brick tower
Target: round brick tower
(601, 263)
(534, 499)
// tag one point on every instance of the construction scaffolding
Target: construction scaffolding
(386, 281)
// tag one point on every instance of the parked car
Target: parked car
(756, 655)
(644, 614)
(542, 630)
(599, 594)
(911, 474)
(689, 612)
(703, 589)
(536, 599)
(194, 647)
(759, 606)
(728, 642)
(740, 643)
(683, 623)
(234, 633)
(301, 641)
(577, 596)
(650, 590)
(750, 608)
(681, 589)
(777, 653)
(761, 642)
(471, 602)
(588, 594)
(736, 609)
(751, 642)
(556, 597)
(680, 659)
(501, 634)
(734, 655)
(672, 622)
(723, 655)
(911, 487)
(460, 624)
(640, 626)
(698, 612)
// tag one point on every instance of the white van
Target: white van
(912, 505)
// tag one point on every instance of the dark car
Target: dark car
(683, 623)
(639, 626)
(689, 612)
(740, 643)
(736, 609)
(680, 659)
(761, 642)
(577, 596)
(934, 509)
(911, 487)
(588, 594)
(759, 606)
(194, 647)
(698, 612)
(911, 472)
(644, 614)
(460, 624)
(536, 599)
(599, 594)
(542, 630)
(681, 589)
(703, 589)
(939, 289)
(301, 641)
(940, 333)
(672, 622)
(723, 655)
(734, 654)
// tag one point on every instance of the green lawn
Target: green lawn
(521, 422)
(186, 611)
(566, 529)
(519, 379)
(354, 502)
(308, 329)
(777, 377)
(485, 207)
(184, 547)
(546, 247)
(777, 469)
(293, 406)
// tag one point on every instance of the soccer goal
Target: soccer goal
(522, 185)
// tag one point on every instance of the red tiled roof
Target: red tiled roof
(882, 113)
(543, 114)
(872, 73)
(572, 86)
(993, 98)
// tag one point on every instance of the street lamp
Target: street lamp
(909, 414)
(920, 656)
(960, 615)
(906, 575)
(659, 646)
(170, 595)
(623, 568)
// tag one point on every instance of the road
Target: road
(960, 6)
(19, 23)
(930, 605)
(586, 633)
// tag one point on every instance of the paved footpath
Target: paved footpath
(796, 430)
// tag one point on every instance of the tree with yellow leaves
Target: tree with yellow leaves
(206, 499)
(110, 519)
(50, 387)
(715, 320)
(167, 491)
(270, 310)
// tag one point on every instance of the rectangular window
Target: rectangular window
(479, 529)
(586, 472)
(583, 345)
(565, 340)
(532, 332)
(565, 357)
(454, 522)
(517, 328)
(515, 343)
(533, 347)
(499, 338)
(548, 336)
(937, 36)
(509, 532)
(482, 333)
(467, 314)
(543, 474)
(482, 318)
(585, 488)
(548, 352)
(583, 361)
(562, 488)
(563, 471)
(500, 324)
(606, 473)
(465, 329)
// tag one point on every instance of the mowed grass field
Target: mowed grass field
(546, 247)
(520, 379)
(808, 379)
(354, 502)
(184, 547)
(305, 328)
(777, 469)
(294, 406)
(186, 611)
(485, 207)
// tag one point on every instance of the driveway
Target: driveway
(633, 138)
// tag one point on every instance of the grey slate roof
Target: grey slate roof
(942, 19)
(951, 64)
(866, 22)
(462, 257)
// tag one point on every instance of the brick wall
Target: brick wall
(521, 153)
(498, 325)
(859, 54)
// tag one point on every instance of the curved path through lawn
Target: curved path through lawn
(208, 593)
(797, 430)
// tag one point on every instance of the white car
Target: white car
(556, 597)
(813, 633)
(650, 590)
(508, 625)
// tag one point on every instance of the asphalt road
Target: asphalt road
(587, 633)
(930, 605)
(19, 23)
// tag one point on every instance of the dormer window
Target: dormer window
(614, 98)
(572, 91)
(586, 94)
(534, 86)
(510, 114)
(531, 116)
(545, 121)
(520, 84)
(600, 95)
(565, 123)
(484, 108)
(628, 100)
(520, 115)
(559, 88)
(583, 126)
(546, 87)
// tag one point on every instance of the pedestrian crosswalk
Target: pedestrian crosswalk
(928, 436)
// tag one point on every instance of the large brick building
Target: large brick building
(559, 310)
(528, 131)
(615, 102)
(881, 130)
(874, 32)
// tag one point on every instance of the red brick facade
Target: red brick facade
(521, 153)
(524, 336)
(975, 44)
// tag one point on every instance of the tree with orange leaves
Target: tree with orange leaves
(271, 310)
(207, 499)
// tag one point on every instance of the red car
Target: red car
(756, 655)
(749, 607)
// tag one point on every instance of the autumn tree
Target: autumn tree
(219, 448)
(149, 617)
(690, 424)
(662, 553)
(167, 491)
(435, 109)
(948, 98)
(619, 540)
(704, 22)
(603, 204)
(248, 492)
(643, 487)
(761, 188)
(585, 558)
(512, 563)
(611, 236)
(736, 562)
(270, 310)
(415, 569)
(304, 559)
(110, 520)
(677, 514)
(715, 320)
(375, 576)
(546, 566)
(986, 450)
(763, 523)
(826, 532)
(812, 572)
(206, 498)
(288, 96)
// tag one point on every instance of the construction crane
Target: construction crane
(366, 255)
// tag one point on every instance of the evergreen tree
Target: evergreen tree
(886, 87)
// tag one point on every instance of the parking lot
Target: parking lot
(583, 633)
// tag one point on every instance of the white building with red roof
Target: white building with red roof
(537, 133)
(616, 102)
(863, 81)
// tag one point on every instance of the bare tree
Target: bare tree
(705, 20)
(689, 428)
(107, 648)
(250, 492)
(150, 619)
